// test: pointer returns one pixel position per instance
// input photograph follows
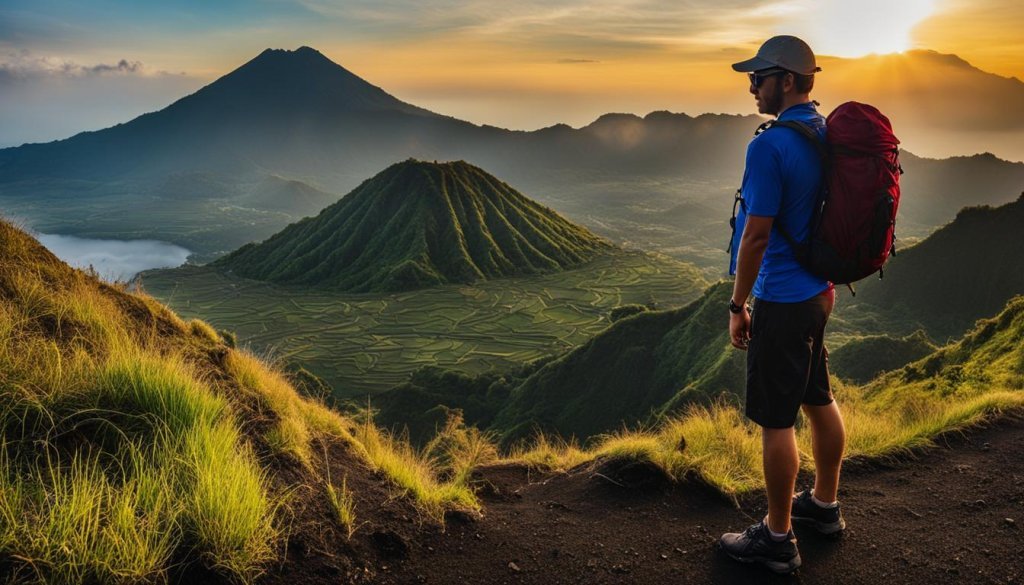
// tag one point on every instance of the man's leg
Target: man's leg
(828, 440)
(781, 462)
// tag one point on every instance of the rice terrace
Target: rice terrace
(363, 343)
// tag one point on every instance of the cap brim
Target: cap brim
(754, 64)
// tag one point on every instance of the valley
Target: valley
(367, 343)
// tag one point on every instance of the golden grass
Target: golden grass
(412, 473)
(549, 452)
(202, 330)
(121, 444)
(725, 449)
(343, 503)
(228, 509)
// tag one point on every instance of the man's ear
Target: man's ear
(788, 82)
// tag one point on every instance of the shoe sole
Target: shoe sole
(777, 567)
(826, 528)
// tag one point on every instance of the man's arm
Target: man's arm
(748, 262)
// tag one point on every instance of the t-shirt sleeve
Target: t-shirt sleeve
(763, 190)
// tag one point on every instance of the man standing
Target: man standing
(787, 367)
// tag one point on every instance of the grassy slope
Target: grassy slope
(651, 362)
(418, 224)
(862, 360)
(625, 373)
(954, 387)
(965, 271)
(131, 438)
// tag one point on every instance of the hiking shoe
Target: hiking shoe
(756, 545)
(827, 521)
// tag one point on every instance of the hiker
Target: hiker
(783, 334)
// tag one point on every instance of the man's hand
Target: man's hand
(748, 262)
(739, 329)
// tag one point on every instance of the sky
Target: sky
(73, 65)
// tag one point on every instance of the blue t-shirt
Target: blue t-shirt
(781, 180)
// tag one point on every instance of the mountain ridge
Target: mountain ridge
(419, 224)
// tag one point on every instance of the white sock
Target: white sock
(776, 536)
(823, 504)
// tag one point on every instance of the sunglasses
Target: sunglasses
(757, 78)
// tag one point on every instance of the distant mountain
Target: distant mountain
(419, 224)
(935, 190)
(288, 195)
(938, 102)
(282, 110)
(967, 270)
(298, 114)
(196, 172)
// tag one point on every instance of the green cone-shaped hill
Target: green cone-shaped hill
(419, 224)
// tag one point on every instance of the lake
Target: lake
(114, 260)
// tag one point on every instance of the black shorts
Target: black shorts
(787, 363)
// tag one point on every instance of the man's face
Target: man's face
(769, 95)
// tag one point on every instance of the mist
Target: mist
(114, 260)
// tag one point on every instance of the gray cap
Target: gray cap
(782, 51)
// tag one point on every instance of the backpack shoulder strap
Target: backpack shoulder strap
(803, 130)
(819, 145)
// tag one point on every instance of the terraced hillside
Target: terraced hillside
(419, 224)
(368, 342)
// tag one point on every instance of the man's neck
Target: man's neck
(790, 101)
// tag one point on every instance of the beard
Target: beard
(773, 101)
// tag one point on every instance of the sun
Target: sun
(855, 29)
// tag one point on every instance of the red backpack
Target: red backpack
(853, 227)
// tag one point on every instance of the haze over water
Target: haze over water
(115, 260)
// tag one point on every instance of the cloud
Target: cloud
(638, 25)
(123, 66)
(576, 61)
(23, 65)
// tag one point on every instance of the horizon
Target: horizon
(521, 68)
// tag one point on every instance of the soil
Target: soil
(953, 513)
(949, 514)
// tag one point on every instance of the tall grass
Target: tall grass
(77, 524)
(412, 472)
(121, 442)
(298, 419)
(227, 507)
(456, 450)
(116, 451)
(342, 501)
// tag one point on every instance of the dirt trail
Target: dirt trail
(951, 514)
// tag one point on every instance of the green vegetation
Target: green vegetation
(861, 360)
(953, 388)
(368, 343)
(638, 370)
(129, 437)
(419, 224)
(625, 311)
(963, 272)
(343, 503)
(648, 364)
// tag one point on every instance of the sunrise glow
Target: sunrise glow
(846, 29)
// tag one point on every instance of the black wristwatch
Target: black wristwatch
(734, 308)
